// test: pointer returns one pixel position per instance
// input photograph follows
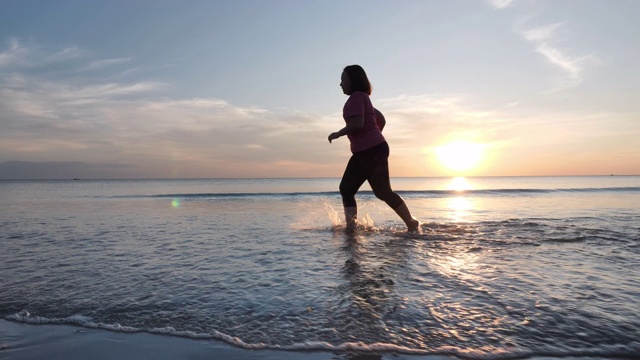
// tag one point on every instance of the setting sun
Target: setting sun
(460, 156)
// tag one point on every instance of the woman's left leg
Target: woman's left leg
(381, 186)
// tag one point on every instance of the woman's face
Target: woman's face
(345, 84)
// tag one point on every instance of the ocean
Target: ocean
(504, 267)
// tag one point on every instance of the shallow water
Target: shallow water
(504, 267)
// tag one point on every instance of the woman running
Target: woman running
(370, 150)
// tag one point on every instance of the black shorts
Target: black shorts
(366, 161)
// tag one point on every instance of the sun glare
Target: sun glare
(460, 156)
(459, 184)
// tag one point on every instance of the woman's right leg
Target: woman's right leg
(354, 176)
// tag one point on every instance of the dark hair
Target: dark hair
(358, 78)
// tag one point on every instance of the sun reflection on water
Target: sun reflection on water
(460, 208)
(460, 204)
(459, 265)
(459, 184)
(463, 315)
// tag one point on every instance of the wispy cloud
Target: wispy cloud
(23, 55)
(546, 40)
(572, 65)
(126, 128)
(541, 34)
(418, 124)
(84, 120)
(25, 95)
(501, 4)
(431, 111)
(13, 54)
(100, 64)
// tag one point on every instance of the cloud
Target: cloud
(19, 55)
(15, 170)
(48, 121)
(547, 42)
(13, 54)
(100, 64)
(201, 137)
(433, 114)
(546, 39)
(501, 4)
(550, 40)
(86, 127)
(572, 65)
(36, 98)
(541, 34)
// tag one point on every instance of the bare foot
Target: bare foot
(414, 226)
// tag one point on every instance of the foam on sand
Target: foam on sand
(20, 341)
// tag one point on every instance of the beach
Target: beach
(23, 341)
(27, 342)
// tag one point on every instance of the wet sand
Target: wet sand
(20, 341)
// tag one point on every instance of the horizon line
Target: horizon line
(302, 178)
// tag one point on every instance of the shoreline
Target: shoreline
(23, 341)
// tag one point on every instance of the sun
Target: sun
(460, 155)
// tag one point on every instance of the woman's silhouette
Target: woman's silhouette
(369, 161)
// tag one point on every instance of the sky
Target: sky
(250, 88)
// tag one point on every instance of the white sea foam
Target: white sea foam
(80, 320)
(483, 352)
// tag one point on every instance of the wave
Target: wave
(487, 352)
(410, 193)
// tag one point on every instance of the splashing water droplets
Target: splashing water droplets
(334, 216)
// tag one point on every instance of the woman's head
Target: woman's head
(355, 79)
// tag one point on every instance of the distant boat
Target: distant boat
(76, 179)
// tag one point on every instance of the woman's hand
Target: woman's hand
(354, 124)
(334, 136)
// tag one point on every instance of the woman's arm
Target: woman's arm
(354, 125)
(380, 120)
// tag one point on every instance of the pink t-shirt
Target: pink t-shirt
(370, 135)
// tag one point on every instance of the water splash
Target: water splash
(364, 220)
(334, 216)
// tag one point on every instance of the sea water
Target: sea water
(503, 267)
